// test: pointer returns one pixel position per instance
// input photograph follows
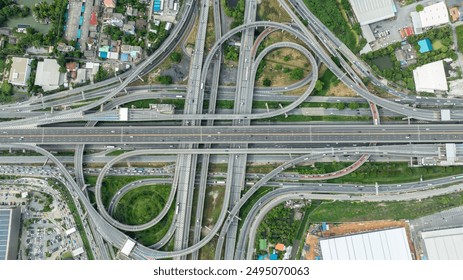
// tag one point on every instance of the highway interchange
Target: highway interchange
(197, 138)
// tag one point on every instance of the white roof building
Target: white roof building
(446, 244)
(432, 15)
(128, 247)
(20, 71)
(430, 77)
(390, 244)
(48, 75)
(370, 11)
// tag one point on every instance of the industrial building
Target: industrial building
(390, 244)
(432, 15)
(9, 233)
(48, 75)
(430, 77)
(371, 11)
(446, 244)
(20, 71)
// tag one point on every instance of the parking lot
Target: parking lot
(45, 216)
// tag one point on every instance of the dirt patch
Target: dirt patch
(342, 229)
(341, 90)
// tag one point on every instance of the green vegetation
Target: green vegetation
(10, 9)
(279, 225)
(156, 232)
(164, 79)
(112, 184)
(251, 201)
(176, 57)
(267, 82)
(101, 74)
(67, 256)
(231, 53)
(459, 31)
(157, 38)
(237, 13)
(213, 204)
(121, 5)
(381, 173)
(324, 83)
(302, 118)
(419, 8)
(404, 76)
(345, 211)
(330, 14)
(116, 153)
(142, 204)
(6, 91)
(296, 74)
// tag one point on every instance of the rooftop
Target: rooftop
(20, 71)
(430, 77)
(370, 11)
(391, 244)
(425, 45)
(446, 244)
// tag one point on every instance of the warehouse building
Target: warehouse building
(430, 77)
(371, 11)
(390, 244)
(446, 244)
(432, 15)
(48, 75)
(9, 233)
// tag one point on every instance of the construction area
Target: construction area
(331, 231)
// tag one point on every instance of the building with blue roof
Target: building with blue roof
(273, 257)
(9, 233)
(425, 45)
(158, 5)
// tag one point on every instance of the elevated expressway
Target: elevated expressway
(415, 133)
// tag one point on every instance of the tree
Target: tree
(353, 105)
(296, 74)
(419, 8)
(176, 57)
(341, 106)
(267, 82)
(165, 80)
(319, 85)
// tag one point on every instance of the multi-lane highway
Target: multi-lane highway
(425, 133)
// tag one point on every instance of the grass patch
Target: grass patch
(437, 44)
(142, 204)
(301, 118)
(381, 173)
(270, 10)
(213, 204)
(116, 153)
(156, 232)
(112, 184)
(345, 211)
(459, 31)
